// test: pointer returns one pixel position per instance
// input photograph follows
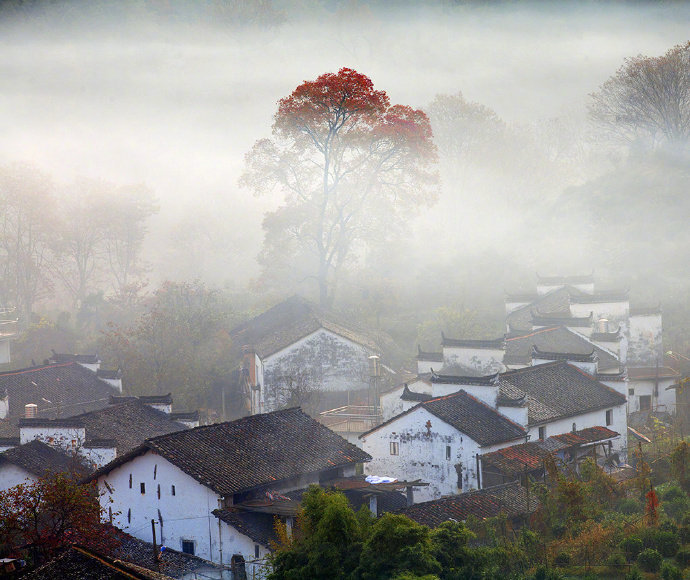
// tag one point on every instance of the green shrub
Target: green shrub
(630, 506)
(671, 572)
(616, 560)
(668, 526)
(668, 544)
(634, 574)
(562, 559)
(684, 534)
(650, 560)
(683, 557)
(673, 493)
(631, 547)
(544, 573)
(663, 541)
(676, 508)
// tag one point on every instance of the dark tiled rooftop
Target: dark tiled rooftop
(78, 563)
(554, 301)
(408, 395)
(295, 318)
(469, 416)
(510, 499)
(129, 423)
(41, 459)
(647, 373)
(63, 389)
(251, 452)
(567, 356)
(259, 527)
(486, 380)
(430, 356)
(556, 339)
(558, 390)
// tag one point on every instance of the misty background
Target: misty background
(168, 97)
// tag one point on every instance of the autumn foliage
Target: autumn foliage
(351, 168)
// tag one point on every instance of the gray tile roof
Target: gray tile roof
(78, 563)
(554, 301)
(129, 424)
(295, 318)
(251, 452)
(257, 526)
(62, 389)
(510, 499)
(555, 339)
(558, 390)
(41, 459)
(469, 416)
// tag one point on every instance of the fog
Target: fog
(174, 98)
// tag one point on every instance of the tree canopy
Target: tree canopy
(351, 168)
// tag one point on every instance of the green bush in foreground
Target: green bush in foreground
(650, 560)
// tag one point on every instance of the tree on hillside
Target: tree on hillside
(351, 168)
(648, 98)
(26, 236)
(179, 344)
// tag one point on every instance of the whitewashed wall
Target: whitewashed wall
(64, 437)
(392, 404)
(326, 359)
(585, 420)
(422, 454)
(486, 393)
(11, 475)
(645, 345)
(666, 401)
(186, 515)
(587, 287)
(484, 360)
(613, 311)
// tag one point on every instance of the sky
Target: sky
(176, 103)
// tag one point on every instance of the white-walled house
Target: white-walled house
(438, 441)
(549, 399)
(297, 347)
(186, 480)
(33, 460)
(651, 388)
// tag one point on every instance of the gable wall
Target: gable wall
(484, 360)
(585, 420)
(422, 454)
(322, 358)
(645, 346)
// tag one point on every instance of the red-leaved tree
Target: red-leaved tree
(351, 168)
(48, 514)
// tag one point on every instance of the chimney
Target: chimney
(603, 325)
(30, 411)
(249, 360)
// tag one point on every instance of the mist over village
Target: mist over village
(344, 290)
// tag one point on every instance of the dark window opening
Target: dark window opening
(172, 490)
(142, 487)
(542, 433)
(130, 481)
(155, 470)
(458, 471)
(129, 516)
(609, 417)
(158, 491)
(256, 550)
(188, 547)
(631, 391)
(574, 427)
(447, 452)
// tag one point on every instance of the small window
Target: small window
(609, 417)
(130, 481)
(188, 547)
(542, 433)
(172, 490)
(256, 550)
(155, 470)
(447, 452)
(574, 427)
(142, 487)
(631, 391)
(395, 450)
(158, 491)
(129, 516)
